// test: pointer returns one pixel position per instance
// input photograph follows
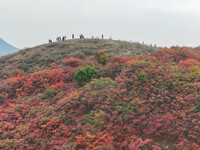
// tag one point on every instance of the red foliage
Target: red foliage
(162, 112)
(72, 62)
(188, 63)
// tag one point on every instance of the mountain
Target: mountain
(151, 102)
(40, 57)
(6, 48)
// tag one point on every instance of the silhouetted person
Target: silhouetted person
(50, 41)
(81, 36)
(72, 36)
(63, 38)
(102, 36)
(58, 39)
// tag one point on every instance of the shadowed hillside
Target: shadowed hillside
(40, 57)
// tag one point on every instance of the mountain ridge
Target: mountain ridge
(40, 57)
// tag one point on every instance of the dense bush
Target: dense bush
(48, 93)
(152, 102)
(72, 62)
(101, 84)
(142, 77)
(102, 57)
(85, 74)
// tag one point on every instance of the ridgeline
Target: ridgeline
(40, 57)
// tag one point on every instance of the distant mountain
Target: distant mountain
(6, 48)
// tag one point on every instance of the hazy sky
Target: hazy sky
(27, 23)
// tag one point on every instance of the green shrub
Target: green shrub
(194, 68)
(142, 77)
(48, 93)
(102, 57)
(101, 84)
(85, 74)
(96, 118)
(124, 108)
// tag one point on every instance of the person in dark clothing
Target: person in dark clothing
(102, 36)
(63, 38)
(82, 36)
(72, 36)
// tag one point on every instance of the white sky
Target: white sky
(27, 23)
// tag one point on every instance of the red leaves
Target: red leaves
(163, 112)
(189, 62)
(102, 140)
(72, 62)
(139, 144)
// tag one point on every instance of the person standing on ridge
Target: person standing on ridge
(72, 36)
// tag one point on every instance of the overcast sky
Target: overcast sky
(27, 23)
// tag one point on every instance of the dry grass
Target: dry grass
(40, 57)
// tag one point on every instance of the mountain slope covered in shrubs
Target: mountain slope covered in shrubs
(40, 57)
(151, 102)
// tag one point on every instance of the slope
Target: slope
(151, 102)
(40, 57)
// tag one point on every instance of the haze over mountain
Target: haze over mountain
(6, 48)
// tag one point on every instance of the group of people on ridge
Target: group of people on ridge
(81, 36)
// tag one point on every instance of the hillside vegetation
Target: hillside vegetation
(40, 57)
(151, 102)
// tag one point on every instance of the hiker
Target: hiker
(81, 36)
(102, 36)
(72, 36)
(58, 39)
(63, 38)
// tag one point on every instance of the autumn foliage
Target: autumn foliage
(151, 102)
